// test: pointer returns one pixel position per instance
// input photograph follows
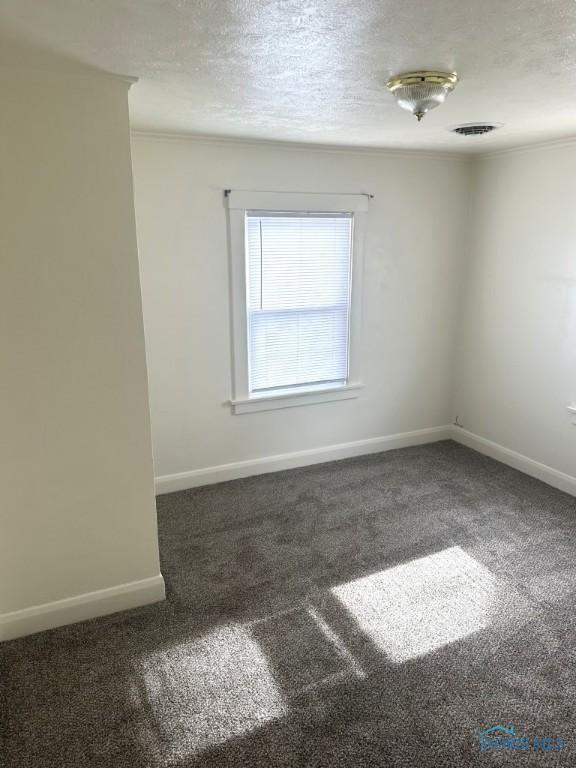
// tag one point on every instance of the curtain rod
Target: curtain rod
(369, 195)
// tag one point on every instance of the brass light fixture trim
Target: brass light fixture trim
(419, 92)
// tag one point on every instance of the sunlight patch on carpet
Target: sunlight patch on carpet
(419, 606)
(209, 691)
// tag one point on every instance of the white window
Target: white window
(296, 280)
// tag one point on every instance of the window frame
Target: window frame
(238, 204)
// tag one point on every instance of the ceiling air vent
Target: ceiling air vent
(475, 129)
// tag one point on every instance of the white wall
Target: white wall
(77, 507)
(517, 350)
(414, 248)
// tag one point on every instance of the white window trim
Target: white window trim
(238, 202)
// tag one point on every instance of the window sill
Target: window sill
(311, 397)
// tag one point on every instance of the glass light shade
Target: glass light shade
(419, 92)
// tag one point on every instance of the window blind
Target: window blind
(298, 296)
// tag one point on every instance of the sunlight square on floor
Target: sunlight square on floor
(416, 607)
(213, 689)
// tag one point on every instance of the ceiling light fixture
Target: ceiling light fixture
(419, 92)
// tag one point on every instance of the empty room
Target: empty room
(288, 383)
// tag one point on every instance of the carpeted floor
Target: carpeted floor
(379, 611)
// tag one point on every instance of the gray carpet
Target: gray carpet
(379, 611)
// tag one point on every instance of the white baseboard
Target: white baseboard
(87, 606)
(553, 477)
(222, 472)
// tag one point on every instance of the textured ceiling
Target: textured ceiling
(314, 70)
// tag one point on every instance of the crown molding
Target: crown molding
(342, 149)
(345, 149)
(536, 146)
